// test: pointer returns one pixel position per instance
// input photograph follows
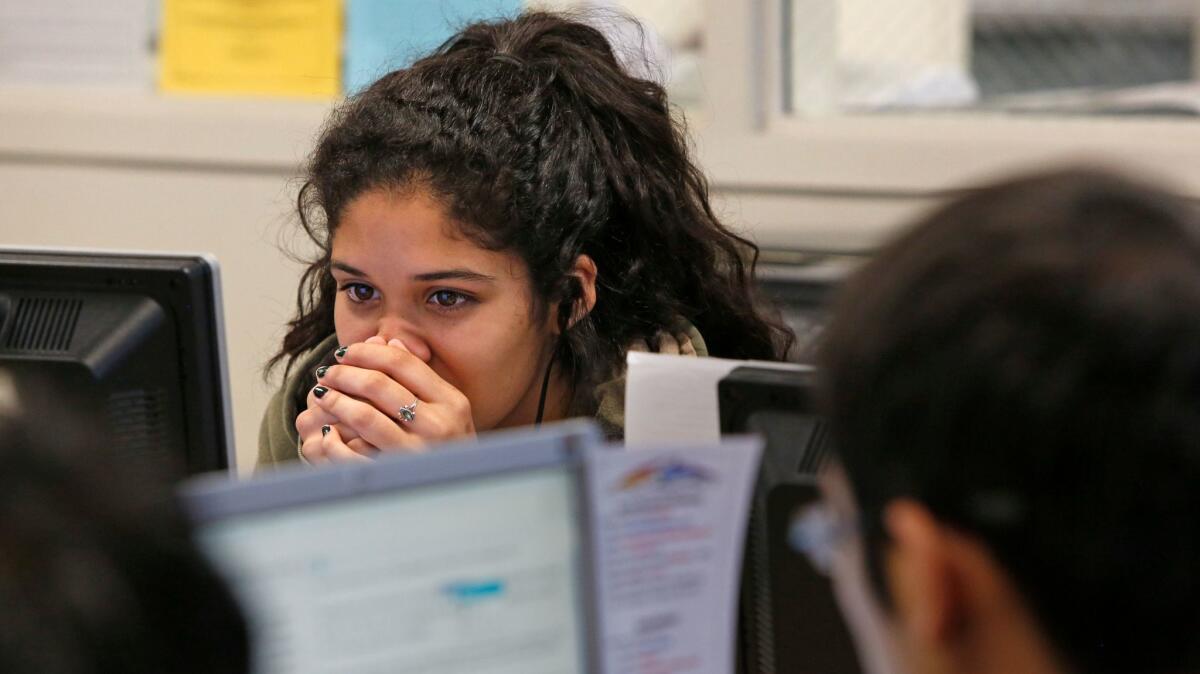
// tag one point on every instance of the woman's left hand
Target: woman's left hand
(373, 382)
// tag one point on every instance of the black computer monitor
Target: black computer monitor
(137, 335)
(789, 620)
(801, 285)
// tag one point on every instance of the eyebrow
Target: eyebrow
(342, 266)
(442, 275)
(454, 274)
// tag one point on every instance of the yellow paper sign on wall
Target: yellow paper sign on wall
(269, 47)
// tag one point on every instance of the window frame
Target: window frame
(747, 142)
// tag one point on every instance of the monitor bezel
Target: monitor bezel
(213, 288)
(209, 499)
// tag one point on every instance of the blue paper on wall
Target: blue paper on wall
(382, 35)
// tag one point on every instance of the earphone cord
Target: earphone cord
(545, 385)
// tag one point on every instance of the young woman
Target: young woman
(498, 225)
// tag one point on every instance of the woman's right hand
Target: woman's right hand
(385, 398)
(339, 443)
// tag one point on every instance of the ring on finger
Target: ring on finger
(408, 413)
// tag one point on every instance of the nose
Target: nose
(408, 335)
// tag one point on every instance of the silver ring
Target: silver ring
(300, 453)
(408, 413)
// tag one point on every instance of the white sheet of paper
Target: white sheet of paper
(674, 398)
(74, 42)
(669, 526)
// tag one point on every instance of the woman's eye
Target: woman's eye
(448, 299)
(359, 292)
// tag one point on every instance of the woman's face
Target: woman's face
(403, 272)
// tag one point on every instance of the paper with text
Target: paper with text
(236, 47)
(76, 42)
(669, 526)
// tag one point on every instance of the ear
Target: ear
(584, 271)
(925, 576)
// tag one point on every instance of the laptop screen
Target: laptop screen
(479, 575)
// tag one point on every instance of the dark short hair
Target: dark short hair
(98, 571)
(1026, 362)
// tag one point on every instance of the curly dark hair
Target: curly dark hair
(537, 142)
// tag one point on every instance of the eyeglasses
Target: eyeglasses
(817, 531)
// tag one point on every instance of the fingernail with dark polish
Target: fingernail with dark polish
(325, 430)
(322, 370)
(320, 391)
(341, 352)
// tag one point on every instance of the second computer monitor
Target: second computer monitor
(137, 337)
(790, 621)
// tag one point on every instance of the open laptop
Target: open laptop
(473, 558)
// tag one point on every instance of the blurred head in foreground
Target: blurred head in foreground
(98, 572)
(1014, 390)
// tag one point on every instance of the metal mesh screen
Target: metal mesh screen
(1026, 47)
(1062, 56)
